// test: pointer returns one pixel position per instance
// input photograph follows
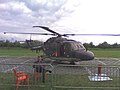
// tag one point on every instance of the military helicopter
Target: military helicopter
(63, 47)
(66, 48)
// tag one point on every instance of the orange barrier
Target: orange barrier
(20, 76)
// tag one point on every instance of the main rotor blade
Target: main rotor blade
(28, 33)
(63, 34)
(92, 34)
(46, 28)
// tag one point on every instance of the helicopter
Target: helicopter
(66, 49)
(63, 47)
(60, 47)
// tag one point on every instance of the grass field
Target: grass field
(18, 52)
(110, 52)
(59, 82)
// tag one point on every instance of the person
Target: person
(40, 69)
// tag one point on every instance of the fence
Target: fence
(62, 77)
(85, 77)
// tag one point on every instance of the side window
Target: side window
(67, 47)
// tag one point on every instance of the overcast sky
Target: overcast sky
(63, 16)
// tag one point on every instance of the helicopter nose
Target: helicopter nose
(90, 55)
(85, 55)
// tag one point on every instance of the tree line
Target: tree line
(7, 43)
(102, 45)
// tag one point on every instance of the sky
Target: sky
(63, 16)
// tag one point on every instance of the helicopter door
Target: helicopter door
(58, 49)
(61, 50)
(66, 48)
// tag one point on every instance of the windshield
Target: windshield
(70, 46)
(77, 45)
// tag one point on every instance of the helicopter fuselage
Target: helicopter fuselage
(62, 47)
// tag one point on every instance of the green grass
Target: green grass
(60, 82)
(8, 82)
(18, 52)
(84, 83)
(110, 52)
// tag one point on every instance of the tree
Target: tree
(115, 45)
(16, 44)
(104, 45)
(89, 45)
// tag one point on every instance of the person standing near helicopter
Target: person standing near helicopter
(39, 69)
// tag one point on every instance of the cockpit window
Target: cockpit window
(67, 47)
(70, 46)
(80, 45)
